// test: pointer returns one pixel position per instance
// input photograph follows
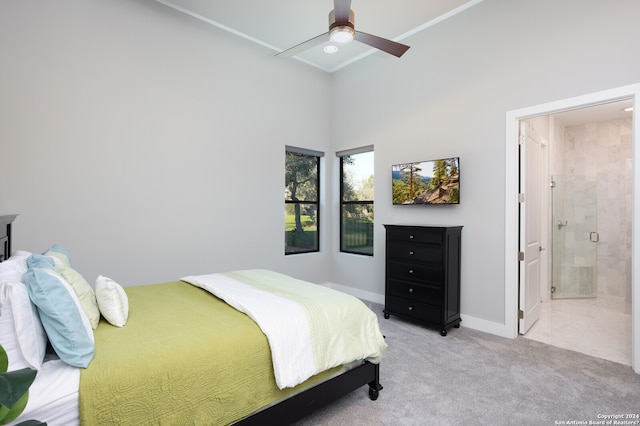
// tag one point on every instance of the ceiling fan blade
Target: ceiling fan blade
(391, 47)
(304, 45)
(342, 9)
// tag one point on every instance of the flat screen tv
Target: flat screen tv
(426, 182)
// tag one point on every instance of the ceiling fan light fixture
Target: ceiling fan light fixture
(342, 34)
(342, 31)
(330, 49)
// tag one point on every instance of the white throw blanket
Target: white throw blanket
(310, 328)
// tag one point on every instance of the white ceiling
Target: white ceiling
(281, 24)
(602, 112)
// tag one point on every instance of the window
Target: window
(356, 200)
(301, 200)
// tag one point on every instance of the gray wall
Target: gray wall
(151, 145)
(448, 95)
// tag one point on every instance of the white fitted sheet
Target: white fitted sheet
(53, 396)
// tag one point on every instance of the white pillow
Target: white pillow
(13, 268)
(66, 324)
(21, 332)
(112, 301)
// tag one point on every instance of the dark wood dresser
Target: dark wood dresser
(422, 274)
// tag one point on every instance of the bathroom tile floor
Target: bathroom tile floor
(600, 327)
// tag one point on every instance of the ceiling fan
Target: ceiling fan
(342, 31)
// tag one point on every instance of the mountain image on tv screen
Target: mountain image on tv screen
(427, 182)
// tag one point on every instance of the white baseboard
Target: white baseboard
(485, 326)
(467, 320)
(360, 294)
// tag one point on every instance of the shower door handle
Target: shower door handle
(594, 237)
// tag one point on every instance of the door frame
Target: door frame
(511, 203)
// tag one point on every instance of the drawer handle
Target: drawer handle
(410, 252)
(411, 308)
(411, 271)
(410, 290)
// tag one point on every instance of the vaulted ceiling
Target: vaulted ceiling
(281, 24)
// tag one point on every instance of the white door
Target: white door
(531, 184)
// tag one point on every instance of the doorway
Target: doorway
(586, 306)
(513, 118)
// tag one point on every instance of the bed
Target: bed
(195, 350)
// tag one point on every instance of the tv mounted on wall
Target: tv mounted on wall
(426, 182)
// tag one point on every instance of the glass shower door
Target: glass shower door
(574, 236)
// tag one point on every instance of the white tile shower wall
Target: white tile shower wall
(604, 150)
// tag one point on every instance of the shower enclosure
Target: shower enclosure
(574, 237)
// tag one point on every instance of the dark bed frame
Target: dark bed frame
(5, 235)
(304, 403)
(288, 410)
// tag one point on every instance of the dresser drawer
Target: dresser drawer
(420, 293)
(414, 272)
(414, 236)
(413, 309)
(415, 252)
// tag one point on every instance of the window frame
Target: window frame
(316, 203)
(341, 155)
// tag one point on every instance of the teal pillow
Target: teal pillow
(65, 322)
(60, 254)
(39, 261)
(62, 263)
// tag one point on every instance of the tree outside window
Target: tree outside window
(356, 206)
(301, 195)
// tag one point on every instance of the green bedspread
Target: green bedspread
(184, 357)
(310, 328)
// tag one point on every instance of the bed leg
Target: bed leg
(374, 386)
